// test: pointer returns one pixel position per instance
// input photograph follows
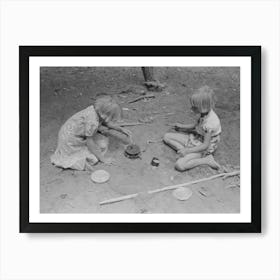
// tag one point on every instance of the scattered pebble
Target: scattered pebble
(63, 196)
(79, 94)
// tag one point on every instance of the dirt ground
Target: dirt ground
(65, 91)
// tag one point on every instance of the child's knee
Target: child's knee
(167, 137)
(180, 165)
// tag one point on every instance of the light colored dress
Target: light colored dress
(72, 151)
(209, 123)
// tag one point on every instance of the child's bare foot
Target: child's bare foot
(212, 163)
(88, 167)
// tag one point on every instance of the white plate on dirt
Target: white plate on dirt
(182, 193)
(100, 176)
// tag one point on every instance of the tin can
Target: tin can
(155, 162)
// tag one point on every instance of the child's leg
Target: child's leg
(89, 166)
(182, 163)
(188, 163)
(176, 141)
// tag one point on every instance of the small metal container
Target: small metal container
(132, 151)
(155, 162)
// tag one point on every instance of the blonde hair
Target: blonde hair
(203, 99)
(107, 107)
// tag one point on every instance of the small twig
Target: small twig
(142, 97)
(117, 199)
(234, 173)
(153, 141)
(232, 186)
(164, 115)
(131, 124)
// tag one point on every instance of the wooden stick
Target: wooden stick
(164, 115)
(154, 141)
(131, 124)
(232, 186)
(193, 182)
(234, 173)
(121, 198)
(117, 199)
(142, 97)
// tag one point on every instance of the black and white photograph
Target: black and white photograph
(139, 140)
(141, 135)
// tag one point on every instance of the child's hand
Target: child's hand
(127, 132)
(178, 126)
(182, 152)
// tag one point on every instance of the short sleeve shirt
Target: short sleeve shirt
(210, 123)
(84, 123)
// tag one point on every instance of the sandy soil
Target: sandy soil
(64, 91)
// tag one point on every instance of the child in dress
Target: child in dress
(198, 141)
(80, 142)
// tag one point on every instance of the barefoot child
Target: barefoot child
(199, 141)
(80, 143)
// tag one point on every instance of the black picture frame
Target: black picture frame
(25, 52)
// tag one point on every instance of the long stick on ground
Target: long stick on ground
(131, 124)
(121, 198)
(142, 97)
(194, 182)
(117, 199)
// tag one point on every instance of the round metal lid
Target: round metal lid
(182, 193)
(132, 150)
(100, 176)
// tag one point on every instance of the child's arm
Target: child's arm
(116, 127)
(93, 148)
(198, 149)
(184, 127)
